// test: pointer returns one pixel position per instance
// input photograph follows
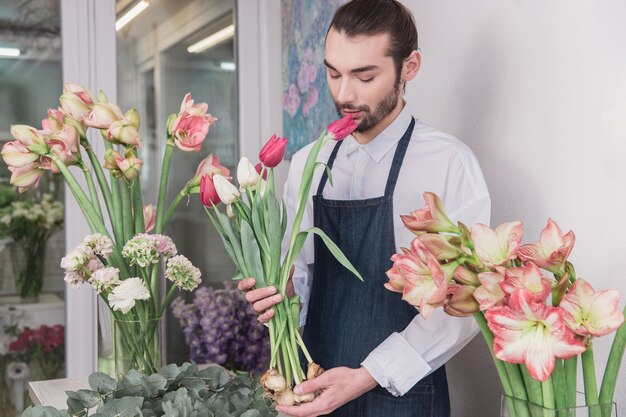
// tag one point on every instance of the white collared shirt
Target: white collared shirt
(434, 162)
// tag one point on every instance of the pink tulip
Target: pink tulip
(208, 193)
(496, 247)
(102, 115)
(530, 278)
(259, 169)
(273, 151)
(123, 132)
(490, 292)
(531, 333)
(129, 167)
(149, 217)
(341, 128)
(425, 283)
(16, 155)
(552, 249)
(440, 246)
(460, 301)
(26, 177)
(591, 313)
(431, 218)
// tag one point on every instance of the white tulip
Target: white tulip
(227, 192)
(246, 174)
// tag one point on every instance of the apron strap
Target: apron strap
(398, 157)
(329, 164)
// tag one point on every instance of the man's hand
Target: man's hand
(338, 386)
(263, 299)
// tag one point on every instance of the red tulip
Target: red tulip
(273, 151)
(208, 194)
(259, 169)
(341, 128)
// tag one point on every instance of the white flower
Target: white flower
(75, 259)
(74, 279)
(98, 244)
(227, 192)
(229, 211)
(141, 250)
(246, 174)
(104, 279)
(123, 296)
(5, 341)
(6, 219)
(182, 273)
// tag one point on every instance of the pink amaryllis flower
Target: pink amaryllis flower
(432, 218)
(149, 217)
(54, 121)
(440, 246)
(490, 292)
(531, 333)
(530, 278)
(591, 313)
(552, 249)
(25, 177)
(15, 154)
(496, 247)
(76, 101)
(460, 301)
(190, 127)
(341, 128)
(102, 115)
(425, 283)
(273, 151)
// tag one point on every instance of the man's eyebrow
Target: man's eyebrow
(355, 70)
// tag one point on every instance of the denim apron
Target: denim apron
(347, 318)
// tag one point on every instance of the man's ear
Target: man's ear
(411, 66)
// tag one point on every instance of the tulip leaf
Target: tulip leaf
(328, 172)
(274, 235)
(334, 249)
(233, 238)
(257, 224)
(252, 254)
(222, 233)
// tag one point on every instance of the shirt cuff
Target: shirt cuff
(395, 365)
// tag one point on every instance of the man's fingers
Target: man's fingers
(253, 296)
(267, 316)
(311, 385)
(265, 303)
(246, 284)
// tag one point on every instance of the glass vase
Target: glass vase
(138, 346)
(28, 260)
(515, 407)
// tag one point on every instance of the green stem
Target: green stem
(116, 216)
(571, 376)
(589, 379)
(533, 387)
(127, 212)
(548, 393)
(488, 336)
(165, 171)
(140, 226)
(613, 364)
(172, 208)
(95, 201)
(560, 393)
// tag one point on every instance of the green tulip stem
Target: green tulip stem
(589, 380)
(306, 353)
(140, 226)
(613, 363)
(165, 171)
(172, 208)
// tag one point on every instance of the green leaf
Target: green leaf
(251, 254)
(44, 411)
(122, 407)
(102, 383)
(235, 241)
(337, 253)
(328, 173)
(251, 413)
(85, 397)
(274, 235)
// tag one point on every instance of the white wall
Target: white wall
(538, 91)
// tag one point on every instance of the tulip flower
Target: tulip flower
(531, 333)
(102, 115)
(15, 154)
(149, 217)
(552, 249)
(208, 193)
(247, 177)
(591, 313)
(227, 192)
(208, 166)
(123, 132)
(273, 151)
(496, 247)
(460, 301)
(260, 170)
(25, 177)
(530, 278)
(431, 218)
(341, 128)
(489, 293)
(129, 167)
(425, 283)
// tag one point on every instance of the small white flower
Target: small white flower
(6, 219)
(104, 279)
(98, 244)
(182, 273)
(165, 246)
(141, 250)
(75, 259)
(123, 296)
(74, 279)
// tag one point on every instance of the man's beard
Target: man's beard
(371, 119)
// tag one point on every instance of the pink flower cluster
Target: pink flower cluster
(534, 319)
(307, 74)
(44, 339)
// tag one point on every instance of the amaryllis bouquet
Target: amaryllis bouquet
(121, 262)
(536, 326)
(252, 229)
(221, 327)
(43, 348)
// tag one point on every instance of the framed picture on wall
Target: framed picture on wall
(307, 104)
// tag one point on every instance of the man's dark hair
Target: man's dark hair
(375, 17)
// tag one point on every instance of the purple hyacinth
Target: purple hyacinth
(220, 327)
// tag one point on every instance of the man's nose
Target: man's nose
(345, 95)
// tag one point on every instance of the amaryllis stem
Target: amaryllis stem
(571, 376)
(172, 208)
(165, 171)
(613, 363)
(558, 375)
(95, 201)
(105, 189)
(140, 226)
(547, 390)
(127, 215)
(589, 380)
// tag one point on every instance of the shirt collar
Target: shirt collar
(378, 147)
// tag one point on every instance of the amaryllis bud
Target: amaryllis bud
(460, 301)
(54, 121)
(273, 151)
(227, 192)
(123, 132)
(110, 159)
(149, 217)
(102, 115)
(132, 115)
(25, 177)
(15, 154)
(259, 170)
(76, 101)
(246, 174)
(341, 128)
(27, 135)
(130, 167)
(208, 194)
